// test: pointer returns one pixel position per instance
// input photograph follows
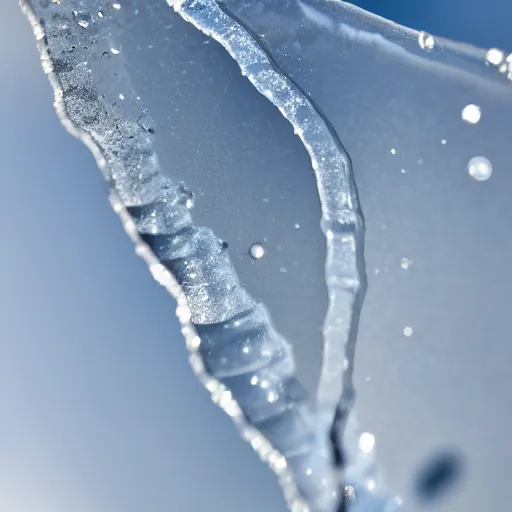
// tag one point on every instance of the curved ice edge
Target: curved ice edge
(433, 53)
(342, 221)
(234, 350)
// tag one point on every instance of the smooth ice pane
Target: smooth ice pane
(259, 234)
(425, 122)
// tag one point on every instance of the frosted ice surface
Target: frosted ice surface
(212, 185)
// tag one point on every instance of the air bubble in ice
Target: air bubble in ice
(471, 114)
(366, 442)
(480, 168)
(257, 251)
(408, 331)
(83, 24)
(116, 6)
(405, 263)
(350, 492)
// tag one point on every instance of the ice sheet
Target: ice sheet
(176, 130)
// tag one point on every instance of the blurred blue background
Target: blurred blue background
(483, 24)
(99, 409)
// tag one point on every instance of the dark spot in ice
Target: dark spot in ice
(438, 476)
(61, 66)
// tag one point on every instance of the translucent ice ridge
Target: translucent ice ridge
(342, 221)
(342, 224)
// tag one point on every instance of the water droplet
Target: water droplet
(426, 41)
(350, 492)
(366, 442)
(405, 263)
(116, 6)
(297, 226)
(408, 331)
(480, 168)
(100, 14)
(471, 114)
(393, 151)
(257, 251)
(494, 56)
(443, 141)
(121, 96)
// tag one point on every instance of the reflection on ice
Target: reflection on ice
(335, 73)
(471, 114)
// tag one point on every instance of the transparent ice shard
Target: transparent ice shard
(397, 99)
(241, 359)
